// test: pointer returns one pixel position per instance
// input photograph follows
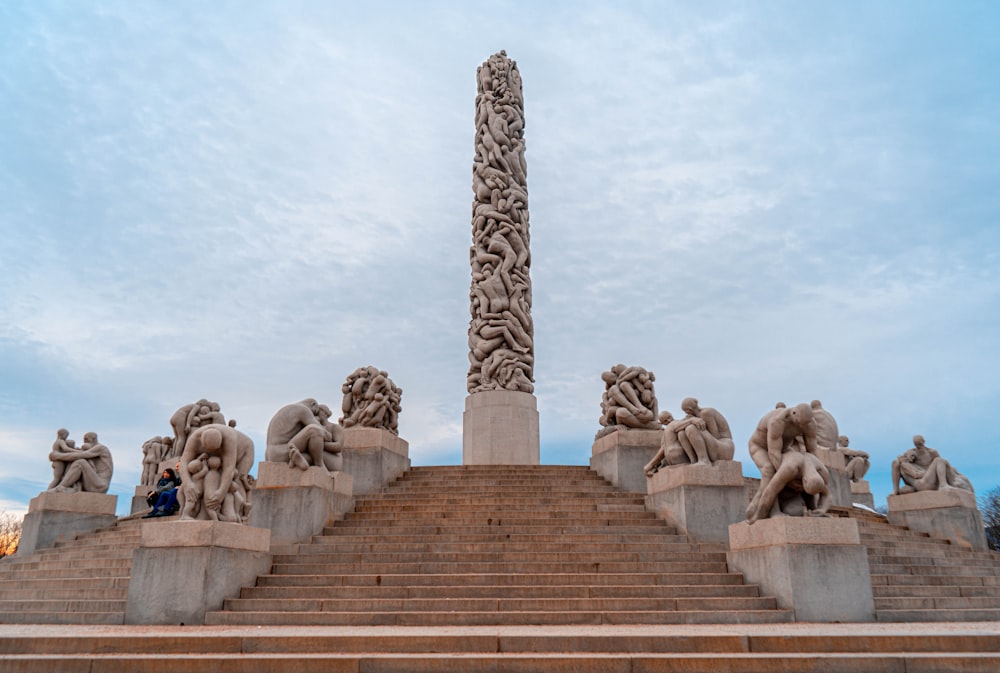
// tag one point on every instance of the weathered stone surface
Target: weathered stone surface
(189, 533)
(861, 493)
(373, 457)
(923, 469)
(500, 427)
(371, 400)
(814, 566)
(620, 457)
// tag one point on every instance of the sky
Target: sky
(758, 202)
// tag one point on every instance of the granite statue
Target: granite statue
(799, 486)
(826, 426)
(371, 400)
(501, 333)
(87, 468)
(215, 467)
(779, 432)
(923, 469)
(857, 461)
(302, 435)
(629, 400)
(191, 416)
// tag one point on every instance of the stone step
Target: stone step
(528, 539)
(60, 584)
(65, 573)
(61, 605)
(518, 567)
(82, 591)
(503, 556)
(941, 615)
(930, 570)
(505, 592)
(937, 603)
(924, 561)
(649, 527)
(901, 579)
(496, 618)
(490, 517)
(537, 605)
(496, 496)
(45, 617)
(498, 579)
(333, 545)
(920, 590)
(30, 563)
(578, 508)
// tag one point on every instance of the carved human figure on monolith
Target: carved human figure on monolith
(88, 468)
(629, 400)
(221, 492)
(63, 450)
(779, 432)
(154, 450)
(371, 400)
(501, 334)
(301, 435)
(857, 461)
(923, 469)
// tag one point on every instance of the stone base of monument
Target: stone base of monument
(840, 483)
(815, 566)
(374, 457)
(621, 455)
(56, 517)
(861, 494)
(139, 499)
(500, 427)
(296, 504)
(948, 515)
(183, 569)
(699, 500)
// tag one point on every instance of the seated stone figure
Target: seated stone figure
(87, 469)
(301, 435)
(857, 461)
(704, 434)
(800, 484)
(923, 469)
(629, 400)
(63, 451)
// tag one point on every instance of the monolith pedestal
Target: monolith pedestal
(54, 517)
(297, 504)
(949, 515)
(183, 569)
(373, 457)
(621, 455)
(815, 566)
(500, 427)
(699, 500)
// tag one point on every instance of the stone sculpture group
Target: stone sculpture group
(501, 333)
(923, 469)
(87, 468)
(371, 400)
(629, 400)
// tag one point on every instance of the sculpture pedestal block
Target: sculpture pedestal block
(297, 504)
(184, 569)
(840, 483)
(54, 517)
(699, 500)
(619, 457)
(816, 567)
(949, 515)
(861, 493)
(139, 499)
(500, 427)
(373, 457)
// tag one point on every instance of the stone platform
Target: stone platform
(743, 648)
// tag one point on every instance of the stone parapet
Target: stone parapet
(359, 437)
(621, 455)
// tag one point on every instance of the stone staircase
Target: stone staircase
(500, 545)
(916, 578)
(80, 581)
